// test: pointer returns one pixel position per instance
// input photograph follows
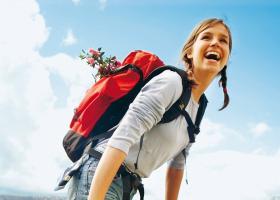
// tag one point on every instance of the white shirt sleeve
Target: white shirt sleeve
(179, 161)
(154, 99)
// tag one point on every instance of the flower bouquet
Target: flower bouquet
(104, 65)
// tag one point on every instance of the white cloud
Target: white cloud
(23, 29)
(31, 131)
(224, 175)
(40, 126)
(69, 39)
(76, 2)
(234, 175)
(259, 129)
(214, 134)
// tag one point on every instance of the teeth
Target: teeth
(212, 54)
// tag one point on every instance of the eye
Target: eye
(205, 37)
(223, 40)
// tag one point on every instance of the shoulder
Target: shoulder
(166, 87)
(167, 78)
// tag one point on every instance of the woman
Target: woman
(205, 55)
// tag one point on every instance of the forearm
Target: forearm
(106, 170)
(173, 183)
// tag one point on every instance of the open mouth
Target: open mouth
(213, 56)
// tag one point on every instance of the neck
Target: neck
(203, 83)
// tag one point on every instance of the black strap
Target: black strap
(191, 126)
(141, 144)
(104, 135)
(95, 139)
(178, 108)
(129, 67)
(175, 110)
(193, 129)
(141, 191)
(127, 187)
(201, 110)
(96, 154)
(131, 181)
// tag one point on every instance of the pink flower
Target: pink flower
(90, 61)
(105, 66)
(93, 52)
(118, 63)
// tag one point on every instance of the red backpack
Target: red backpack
(97, 111)
(106, 102)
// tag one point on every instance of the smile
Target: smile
(212, 55)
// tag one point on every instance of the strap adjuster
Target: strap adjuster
(196, 129)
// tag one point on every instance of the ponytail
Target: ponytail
(223, 82)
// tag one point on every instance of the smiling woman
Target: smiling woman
(141, 143)
(32, 107)
(208, 48)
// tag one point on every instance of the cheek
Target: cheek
(195, 48)
(196, 54)
(226, 56)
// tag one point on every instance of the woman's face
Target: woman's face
(210, 51)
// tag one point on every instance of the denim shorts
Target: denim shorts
(79, 185)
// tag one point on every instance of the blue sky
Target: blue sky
(163, 27)
(40, 42)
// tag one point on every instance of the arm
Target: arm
(173, 182)
(146, 110)
(106, 170)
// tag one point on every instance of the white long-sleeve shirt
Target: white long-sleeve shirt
(162, 142)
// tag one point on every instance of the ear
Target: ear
(190, 55)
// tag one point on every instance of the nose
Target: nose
(214, 42)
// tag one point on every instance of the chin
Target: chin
(213, 69)
(214, 65)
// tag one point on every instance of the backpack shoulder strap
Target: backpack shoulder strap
(175, 110)
(201, 110)
(178, 108)
(193, 128)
